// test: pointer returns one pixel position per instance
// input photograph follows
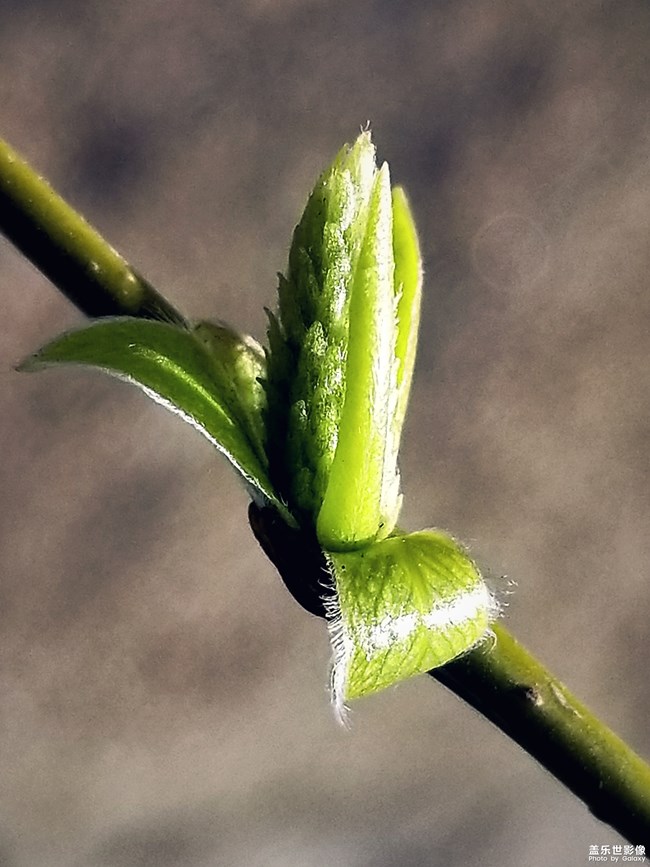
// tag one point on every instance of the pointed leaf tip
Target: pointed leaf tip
(186, 373)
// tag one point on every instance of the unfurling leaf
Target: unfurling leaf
(400, 607)
(342, 352)
(209, 378)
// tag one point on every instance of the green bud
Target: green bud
(342, 351)
(314, 428)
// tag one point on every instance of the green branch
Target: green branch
(73, 255)
(512, 689)
(502, 681)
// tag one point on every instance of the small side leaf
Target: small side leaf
(239, 367)
(173, 367)
(402, 606)
(408, 288)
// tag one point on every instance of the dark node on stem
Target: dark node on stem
(533, 696)
(296, 555)
(527, 695)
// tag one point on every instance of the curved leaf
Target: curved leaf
(402, 606)
(408, 289)
(175, 368)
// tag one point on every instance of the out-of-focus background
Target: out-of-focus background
(164, 701)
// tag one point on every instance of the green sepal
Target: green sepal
(402, 606)
(204, 377)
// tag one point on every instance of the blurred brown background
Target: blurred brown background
(164, 700)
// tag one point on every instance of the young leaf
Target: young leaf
(408, 290)
(174, 367)
(341, 352)
(239, 367)
(402, 606)
(309, 338)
